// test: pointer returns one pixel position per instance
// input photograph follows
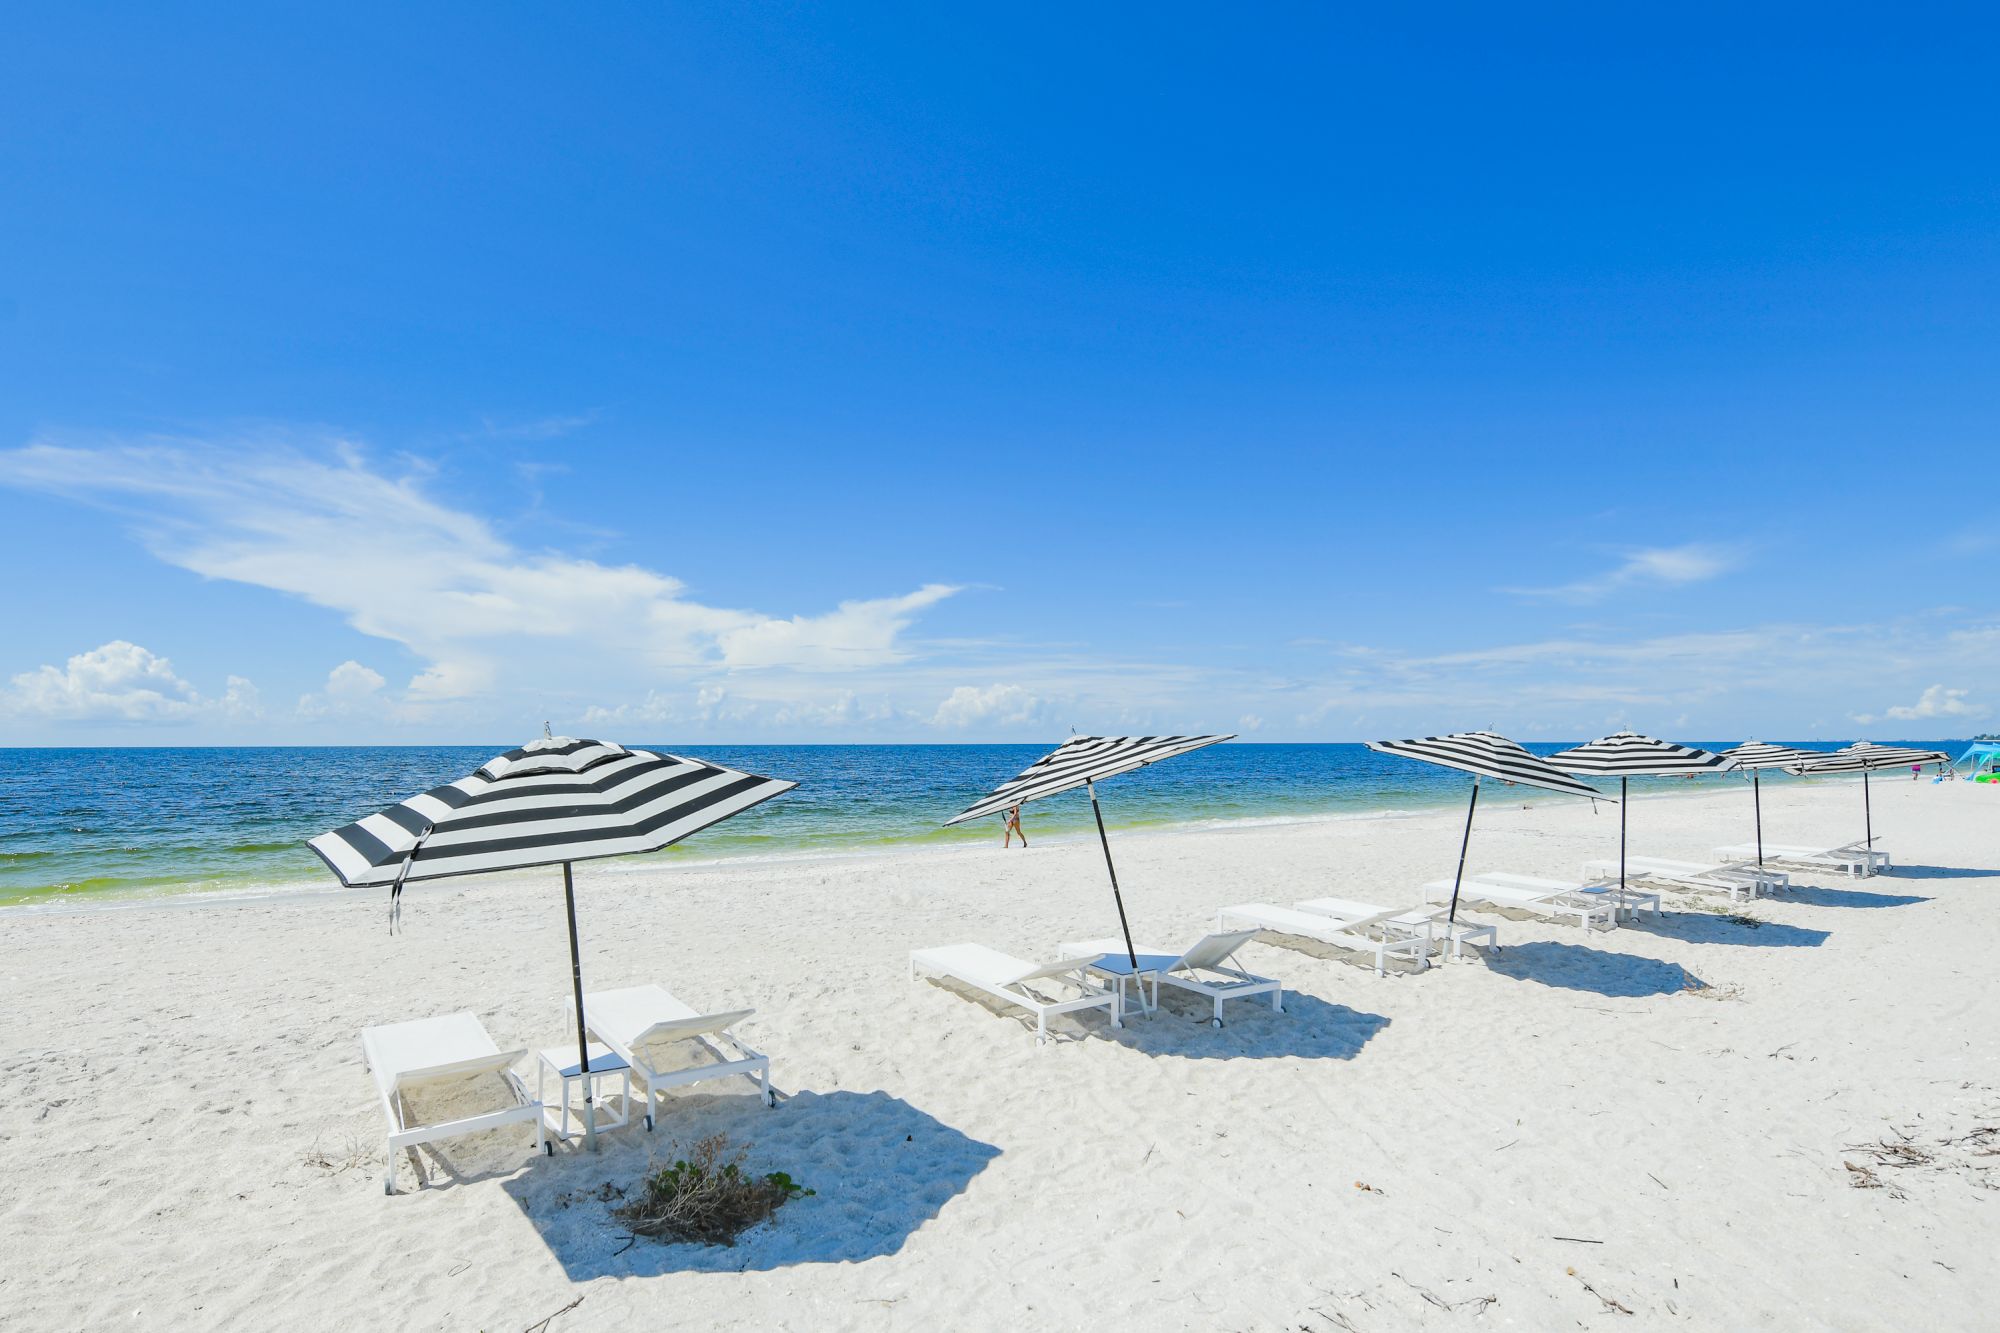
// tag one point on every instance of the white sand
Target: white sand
(168, 1071)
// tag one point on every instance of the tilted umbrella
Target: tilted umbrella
(1084, 761)
(1626, 755)
(1757, 756)
(1864, 758)
(553, 801)
(1484, 755)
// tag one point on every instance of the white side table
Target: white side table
(562, 1062)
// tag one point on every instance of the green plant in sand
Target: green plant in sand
(707, 1196)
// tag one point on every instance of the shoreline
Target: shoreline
(317, 886)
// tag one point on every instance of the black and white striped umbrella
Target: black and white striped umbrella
(1755, 756)
(553, 801)
(1485, 754)
(1864, 758)
(1626, 755)
(1083, 761)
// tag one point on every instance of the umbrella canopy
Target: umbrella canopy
(1485, 755)
(1755, 756)
(554, 800)
(1081, 761)
(551, 802)
(1864, 758)
(1626, 755)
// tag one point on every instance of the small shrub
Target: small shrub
(707, 1196)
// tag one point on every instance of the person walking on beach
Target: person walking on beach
(1012, 824)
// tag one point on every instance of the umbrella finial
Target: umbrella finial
(547, 735)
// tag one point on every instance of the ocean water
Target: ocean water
(84, 824)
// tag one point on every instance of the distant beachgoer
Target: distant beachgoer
(1012, 824)
(1916, 772)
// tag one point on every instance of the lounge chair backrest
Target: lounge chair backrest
(1061, 968)
(681, 1029)
(1214, 950)
(1333, 909)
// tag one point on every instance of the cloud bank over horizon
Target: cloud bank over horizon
(483, 634)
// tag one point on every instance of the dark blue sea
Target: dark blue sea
(83, 824)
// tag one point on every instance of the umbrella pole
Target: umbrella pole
(1131, 954)
(1867, 810)
(1624, 799)
(582, 1037)
(1757, 804)
(1463, 844)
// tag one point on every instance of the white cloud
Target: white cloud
(993, 706)
(479, 612)
(122, 682)
(348, 687)
(1935, 702)
(351, 682)
(1669, 566)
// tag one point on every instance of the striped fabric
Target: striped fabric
(1627, 754)
(547, 802)
(1761, 754)
(1862, 757)
(1078, 760)
(1491, 756)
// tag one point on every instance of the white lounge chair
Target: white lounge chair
(1206, 967)
(1355, 934)
(1406, 923)
(654, 1033)
(1739, 881)
(1628, 900)
(403, 1057)
(1849, 858)
(1586, 907)
(1007, 978)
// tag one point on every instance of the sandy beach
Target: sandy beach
(1673, 1124)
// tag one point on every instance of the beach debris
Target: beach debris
(1609, 1304)
(1370, 1189)
(1966, 1154)
(542, 1325)
(1580, 1240)
(350, 1153)
(707, 1196)
(1479, 1303)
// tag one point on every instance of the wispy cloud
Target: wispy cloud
(1934, 702)
(1660, 566)
(328, 527)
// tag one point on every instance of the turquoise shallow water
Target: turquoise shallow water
(78, 824)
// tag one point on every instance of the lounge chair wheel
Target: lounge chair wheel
(770, 1099)
(548, 1150)
(649, 1124)
(1215, 1022)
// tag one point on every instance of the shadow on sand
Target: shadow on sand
(880, 1167)
(1712, 928)
(1813, 896)
(1308, 1029)
(1580, 967)
(1936, 872)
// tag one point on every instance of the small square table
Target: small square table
(1116, 968)
(562, 1062)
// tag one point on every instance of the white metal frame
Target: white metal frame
(1425, 922)
(1848, 858)
(1213, 955)
(635, 1017)
(1740, 882)
(1585, 906)
(1324, 929)
(467, 1052)
(1006, 978)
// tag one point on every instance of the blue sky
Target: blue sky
(847, 373)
